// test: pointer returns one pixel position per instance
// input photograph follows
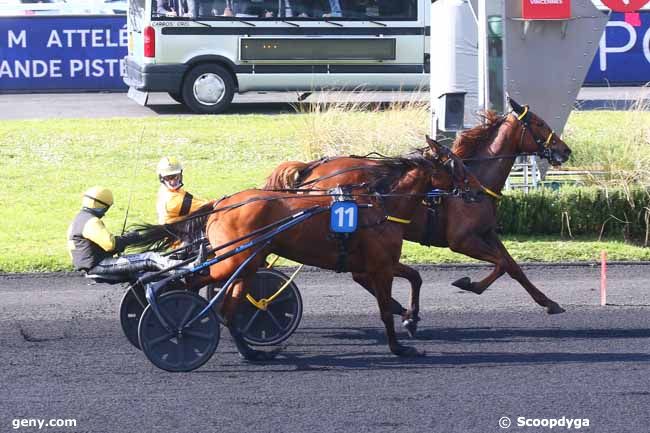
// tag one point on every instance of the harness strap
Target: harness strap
(491, 193)
(342, 259)
(428, 232)
(397, 220)
(522, 115)
(548, 140)
(186, 205)
(336, 173)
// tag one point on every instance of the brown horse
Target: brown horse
(373, 250)
(464, 224)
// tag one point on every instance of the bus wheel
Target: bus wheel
(208, 89)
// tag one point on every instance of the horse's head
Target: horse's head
(537, 137)
(442, 155)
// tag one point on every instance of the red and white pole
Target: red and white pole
(603, 278)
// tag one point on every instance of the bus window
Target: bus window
(395, 10)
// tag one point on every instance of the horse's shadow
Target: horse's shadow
(373, 353)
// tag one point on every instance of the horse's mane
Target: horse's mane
(388, 170)
(469, 142)
(161, 237)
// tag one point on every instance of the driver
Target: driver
(92, 247)
(173, 201)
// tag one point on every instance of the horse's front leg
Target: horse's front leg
(489, 248)
(409, 319)
(382, 281)
(412, 316)
(233, 299)
(514, 270)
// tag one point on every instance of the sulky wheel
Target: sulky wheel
(179, 348)
(133, 304)
(266, 324)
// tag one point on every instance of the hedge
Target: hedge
(575, 211)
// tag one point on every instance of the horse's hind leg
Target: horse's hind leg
(382, 283)
(231, 302)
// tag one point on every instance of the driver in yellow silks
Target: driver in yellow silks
(173, 201)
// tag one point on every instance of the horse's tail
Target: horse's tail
(154, 237)
(285, 176)
(162, 237)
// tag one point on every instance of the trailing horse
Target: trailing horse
(373, 250)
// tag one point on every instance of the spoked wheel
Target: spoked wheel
(179, 347)
(269, 317)
(133, 304)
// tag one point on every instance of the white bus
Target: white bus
(203, 51)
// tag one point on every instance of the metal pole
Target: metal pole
(483, 61)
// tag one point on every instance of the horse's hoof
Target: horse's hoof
(406, 351)
(554, 308)
(411, 327)
(464, 283)
(260, 355)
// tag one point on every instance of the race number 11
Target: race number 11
(344, 217)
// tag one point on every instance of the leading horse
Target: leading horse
(467, 223)
(373, 250)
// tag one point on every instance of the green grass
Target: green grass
(614, 141)
(47, 164)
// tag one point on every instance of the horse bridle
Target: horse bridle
(543, 146)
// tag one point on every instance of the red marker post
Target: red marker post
(603, 278)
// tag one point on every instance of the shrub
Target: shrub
(574, 211)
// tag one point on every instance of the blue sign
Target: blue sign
(344, 217)
(62, 53)
(623, 57)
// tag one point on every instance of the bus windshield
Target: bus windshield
(370, 10)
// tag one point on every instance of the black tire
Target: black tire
(184, 349)
(282, 316)
(208, 89)
(133, 304)
(178, 97)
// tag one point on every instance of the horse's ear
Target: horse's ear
(433, 144)
(515, 106)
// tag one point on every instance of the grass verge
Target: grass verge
(48, 163)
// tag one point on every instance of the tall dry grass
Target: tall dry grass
(614, 142)
(348, 126)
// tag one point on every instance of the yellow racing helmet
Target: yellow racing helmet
(169, 166)
(97, 197)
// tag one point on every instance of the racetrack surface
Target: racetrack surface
(63, 356)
